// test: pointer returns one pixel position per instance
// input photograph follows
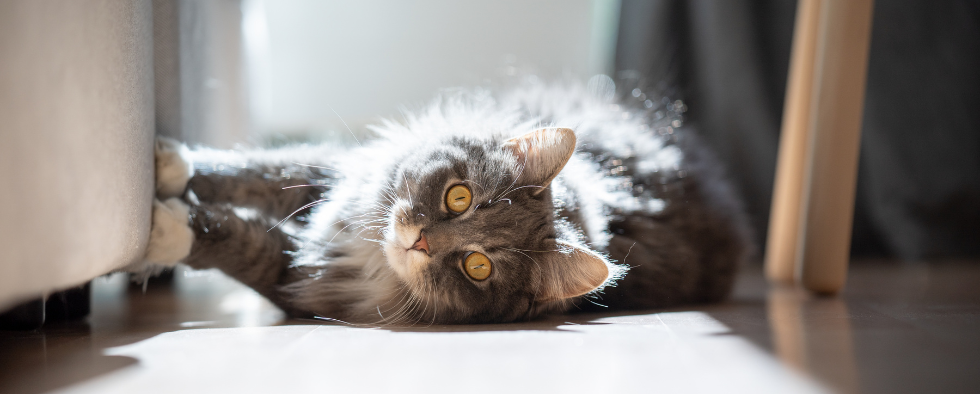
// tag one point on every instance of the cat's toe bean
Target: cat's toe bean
(173, 169)
(171, 236)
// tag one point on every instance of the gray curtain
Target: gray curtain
(919, 176)
(199, 70)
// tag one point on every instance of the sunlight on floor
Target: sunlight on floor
(672, 352)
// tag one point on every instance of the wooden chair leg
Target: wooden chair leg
(840, 72)
(813, 198)
(782, 248)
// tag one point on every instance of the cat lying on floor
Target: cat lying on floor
(477, 209)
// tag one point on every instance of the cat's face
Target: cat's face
(471, 230)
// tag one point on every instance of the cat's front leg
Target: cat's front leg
(173, 167)
(238, 241)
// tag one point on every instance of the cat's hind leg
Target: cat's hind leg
(243, 244)
(240, 242)
(171, 236)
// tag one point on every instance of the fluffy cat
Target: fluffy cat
(477, 209)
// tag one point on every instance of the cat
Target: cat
(480, 208)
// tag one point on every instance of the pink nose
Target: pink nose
(421, 244)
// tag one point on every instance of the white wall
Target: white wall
(365, 58)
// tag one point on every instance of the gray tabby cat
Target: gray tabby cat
(477, 209)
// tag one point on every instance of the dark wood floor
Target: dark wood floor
(898, 328)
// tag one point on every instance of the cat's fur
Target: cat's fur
(638, 217)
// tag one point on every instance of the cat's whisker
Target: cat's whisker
(410, 203)
(341, 231)
(475, 183)
(428, 291)
(595, 303)
(628, 253)
(336, 320)
(379, 208)
(366, 228)
(529, 250)
(397, 304)
(313, 166)
(421, 314)
(401, 303)
(435, 312)
(295, 212)
(388, 197)
(536, 264)
(346, 219)
(520, 171)
(345, 125)
(295, 186)
(516, 189)
(405, 308)
(413, 311)
(435, 308)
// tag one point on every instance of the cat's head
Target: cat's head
(472, 232)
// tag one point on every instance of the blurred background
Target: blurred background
(279, 71)
(85, 86)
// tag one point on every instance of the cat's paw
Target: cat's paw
(171, 236)
(173, 168)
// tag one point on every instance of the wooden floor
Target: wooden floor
(898, 328)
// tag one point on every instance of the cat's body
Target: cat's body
(382, 242)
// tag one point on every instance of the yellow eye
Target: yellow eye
(458, 198)
(477, 266)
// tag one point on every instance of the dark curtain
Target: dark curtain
(919, 174)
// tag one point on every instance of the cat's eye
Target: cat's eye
(458, 198)
(477, 266)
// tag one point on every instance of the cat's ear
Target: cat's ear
(571, 271)
(542, 154)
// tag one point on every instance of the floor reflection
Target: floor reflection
(813, 335)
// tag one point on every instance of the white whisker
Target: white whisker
(345, 125)
(295, 212)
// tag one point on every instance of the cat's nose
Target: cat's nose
(422, 244)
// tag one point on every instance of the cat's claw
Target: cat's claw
(171, 236)
(173, 168)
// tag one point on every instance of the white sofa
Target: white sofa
(84, 85)
(76, 137)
